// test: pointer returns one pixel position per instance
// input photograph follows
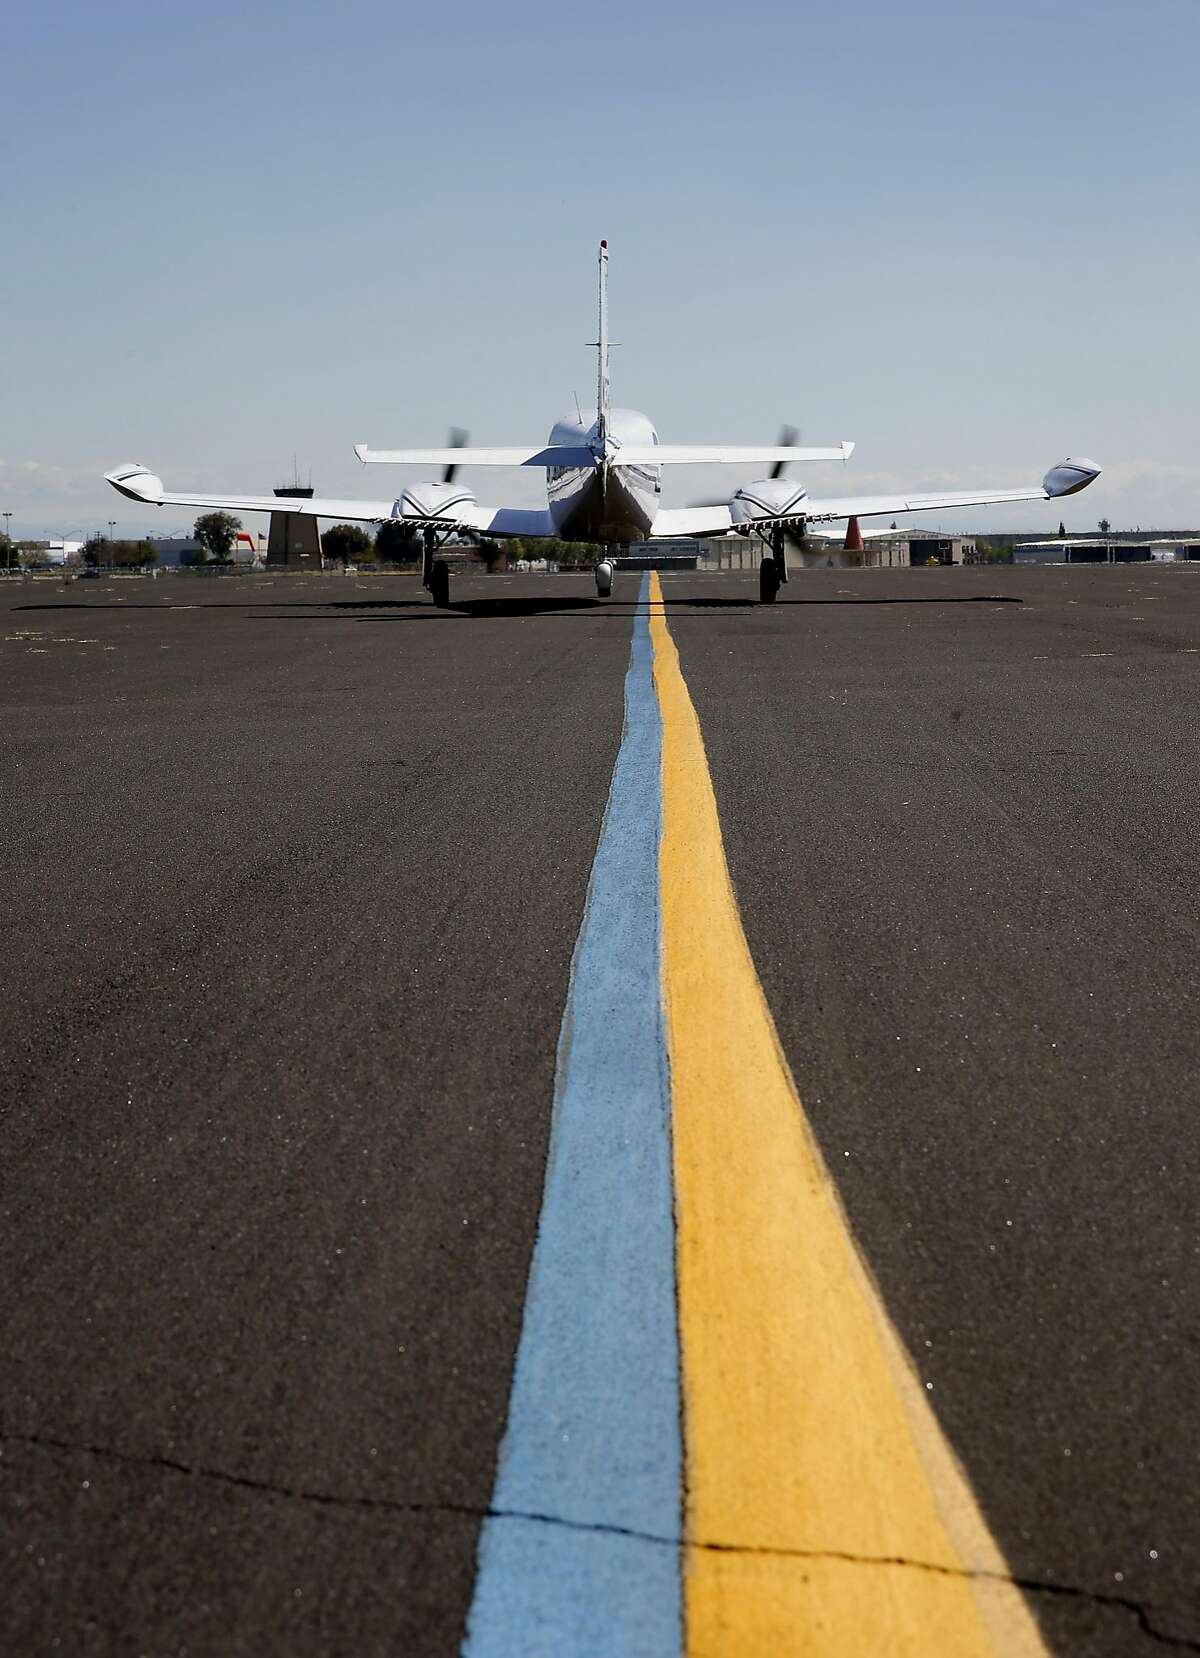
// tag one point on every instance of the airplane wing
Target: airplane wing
(721, 454)
(1067, 478)
(140, 484)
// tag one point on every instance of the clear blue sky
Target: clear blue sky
(964, 235)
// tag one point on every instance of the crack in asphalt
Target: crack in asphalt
(1140, 1610)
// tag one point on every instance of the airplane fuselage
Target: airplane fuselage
(604, 502)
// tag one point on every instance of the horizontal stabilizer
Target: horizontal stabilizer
(542, 455)
(721, 454)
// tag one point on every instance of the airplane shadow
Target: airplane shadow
(482, 609)
(418, 610)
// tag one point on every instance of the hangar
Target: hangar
(889, 549)
(1108, 550)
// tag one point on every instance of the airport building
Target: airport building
(917, 548)
(175, 552)
(1107, 550)
(890, 549)
(53, 554)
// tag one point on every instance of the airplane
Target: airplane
(604, 484)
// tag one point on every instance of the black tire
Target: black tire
(439, 583)
(768, 581)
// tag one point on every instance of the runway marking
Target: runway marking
(692, 1260)
(593, 1426)
(804, 1427)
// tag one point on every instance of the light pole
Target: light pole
(8, 538)
(112, 524)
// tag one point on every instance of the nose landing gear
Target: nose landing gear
(604, 578)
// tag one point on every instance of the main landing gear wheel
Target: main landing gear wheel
(604, 579)
(439, 583)
(768, 580)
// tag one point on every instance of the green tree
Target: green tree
(1104, 526)
(993, 552)
(397, 542)
(8, 557)
(346, 542)
(574, 552)
(95, 551)
(216, 533)
(132, 554)
(1062, 529)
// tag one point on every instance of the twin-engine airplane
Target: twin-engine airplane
(603, 484)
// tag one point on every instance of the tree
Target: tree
(1062, 528)
(346, 542)
(216, 533)
(570, 552)
(396, 542)
(95, 551)
(132, 554)
(1104, 526)
(8, 555)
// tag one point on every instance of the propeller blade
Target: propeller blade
(788, 438)
(456, 440)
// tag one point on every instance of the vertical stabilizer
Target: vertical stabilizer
(602, 346)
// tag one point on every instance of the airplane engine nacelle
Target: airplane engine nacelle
(433, 501)
(767, 498)
(1070, 476)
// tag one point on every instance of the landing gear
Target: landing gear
(435, 572)
(772, 572)
(779, 553)
(604, 578)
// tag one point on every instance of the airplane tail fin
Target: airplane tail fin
(602, 349)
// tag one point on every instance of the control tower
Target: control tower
(294, 540)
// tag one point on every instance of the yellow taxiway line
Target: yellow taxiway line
(824, 1511)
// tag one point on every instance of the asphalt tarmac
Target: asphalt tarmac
(294, 872)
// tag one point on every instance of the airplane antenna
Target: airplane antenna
(602, 344)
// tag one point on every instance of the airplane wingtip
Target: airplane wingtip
(137, 482)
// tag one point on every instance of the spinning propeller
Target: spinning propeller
(789, 436)
(456, 440)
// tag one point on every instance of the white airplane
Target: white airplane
(603, 484)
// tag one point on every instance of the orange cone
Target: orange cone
(853, 542)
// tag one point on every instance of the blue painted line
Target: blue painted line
(593, 1432)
